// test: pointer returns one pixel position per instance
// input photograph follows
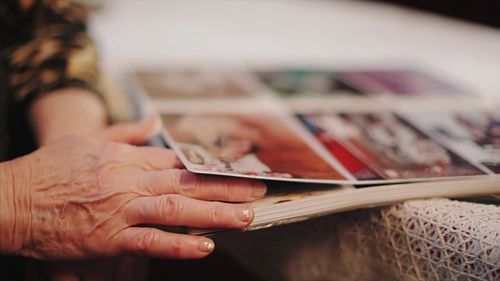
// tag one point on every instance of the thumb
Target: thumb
(132, 133)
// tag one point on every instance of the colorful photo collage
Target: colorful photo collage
(336, 146)
(374, 82)
(190, 84)
(475, 134)
(293, 82)
(387, 146)
(252, 145)
(354, 148)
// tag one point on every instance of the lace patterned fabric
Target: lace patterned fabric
(436, 239)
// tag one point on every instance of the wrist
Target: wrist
(88, 114)
(15, 214)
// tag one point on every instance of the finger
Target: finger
(132, 133)
(180, 210)
(157, 158)
(204, 187)
(161, 244)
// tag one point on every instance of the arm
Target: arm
(77, 112)
(52, 66)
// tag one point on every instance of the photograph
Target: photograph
(304, 82)
(189, 84)
(399, 82)
(293, 196)
(260, 145)
(284, 192)
(316, 124)
(475, 134)
(393, 148)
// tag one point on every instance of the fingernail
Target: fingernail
(258, 189)
(206, 246)
(245, 214)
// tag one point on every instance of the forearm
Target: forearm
(52, 67)
(66, 111)
(14, 207)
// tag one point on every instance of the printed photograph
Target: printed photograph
(473, 134)
(189, 84)
(305, 82)
(285, 197)
(397, 82)
(393, 148)
(284, 192)
(246, 144)
(316, 124)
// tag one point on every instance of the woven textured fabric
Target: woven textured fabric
(439, 240)
(436, 239)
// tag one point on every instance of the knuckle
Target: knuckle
(101, 153)
(111, 148)
(97, 178)
(148, 183)
(104, 148)
(146, 241)
(100, 179)
(170, 207)
(215, 213)
(104, 159)
(77, 139)
(177, 247)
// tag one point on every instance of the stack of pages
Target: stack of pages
(327, 140)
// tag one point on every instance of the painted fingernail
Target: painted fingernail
(206, 246)
(245, 214)
(258, 189)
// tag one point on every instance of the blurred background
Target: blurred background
(306, 33)
(456, 40)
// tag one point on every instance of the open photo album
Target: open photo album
(327, 140)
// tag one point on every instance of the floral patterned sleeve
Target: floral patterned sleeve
(45, 47)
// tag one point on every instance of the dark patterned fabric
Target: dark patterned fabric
(43, 47)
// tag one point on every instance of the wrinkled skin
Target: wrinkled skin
(82, 197)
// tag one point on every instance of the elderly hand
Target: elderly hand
(80, 197)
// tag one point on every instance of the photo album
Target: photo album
(327, 140)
